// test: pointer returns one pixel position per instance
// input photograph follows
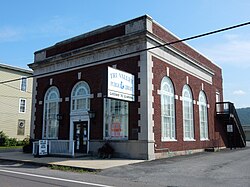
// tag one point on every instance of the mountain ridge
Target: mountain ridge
(244, 115)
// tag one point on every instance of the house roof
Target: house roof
(14, 68)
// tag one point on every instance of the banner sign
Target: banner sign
(43, 147)
(120, 85)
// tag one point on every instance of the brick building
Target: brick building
(169, 106)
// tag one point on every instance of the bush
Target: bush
(11, 142)
(27, 148)
(6, 141)
(26, 141)
(3, 138)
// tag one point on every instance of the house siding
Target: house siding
(10, 95)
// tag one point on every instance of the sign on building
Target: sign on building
(120, 85)
(229, 128)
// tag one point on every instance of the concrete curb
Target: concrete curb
(50, 164)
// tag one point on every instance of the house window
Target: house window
(22, 105)
(115, 119)
(23, 85)
(20, 127)
(51, 110)
(167, 110)
(187, 107)
(203, 116)
(80, 97)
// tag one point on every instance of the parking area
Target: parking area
(224, 168)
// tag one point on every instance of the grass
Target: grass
(11, 147)
(69, 169)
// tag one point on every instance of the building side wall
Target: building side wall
(179, 79)
(10, 95)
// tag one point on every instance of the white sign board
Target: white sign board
(43, 147)
(229, 128)
(120, 85)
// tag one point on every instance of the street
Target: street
(25, 175)
(224, 168)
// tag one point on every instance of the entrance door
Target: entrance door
(81, 136)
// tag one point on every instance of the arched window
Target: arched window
(51, 109)
(203, 116)
(167, 110)
(80, 97)
(188, 121)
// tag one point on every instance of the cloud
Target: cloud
(239, 92)
(231, 49)
(9, 34)
(55, 26)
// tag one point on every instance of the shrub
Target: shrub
(3, 138)
(26, 141)
(6, 141)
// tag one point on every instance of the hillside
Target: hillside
(244, 115)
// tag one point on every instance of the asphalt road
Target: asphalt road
(24, 175)
(225, 168)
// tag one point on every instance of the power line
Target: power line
(16, 88)
(134, 52)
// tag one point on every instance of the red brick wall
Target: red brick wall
(185, 49)
(95, 77)
(88, 40)
(178, 78)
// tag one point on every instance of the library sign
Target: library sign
(120, 85)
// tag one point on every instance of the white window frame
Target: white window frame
(168, 131)
(203, 116)
(112, 116)
(76, 99)
(48, 117)
(22, 84)
(188, 114)
(22, 106)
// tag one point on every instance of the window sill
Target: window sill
(204, 139)
(189, 140)
(169, 140)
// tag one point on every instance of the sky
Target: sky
(28, 26)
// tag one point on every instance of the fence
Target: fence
(57, 147)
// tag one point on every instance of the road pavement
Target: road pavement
(228, 168)
(14, 174)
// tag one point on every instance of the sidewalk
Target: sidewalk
(87, 163)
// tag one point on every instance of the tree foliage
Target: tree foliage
(244, 115)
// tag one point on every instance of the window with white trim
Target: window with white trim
(203, 116)
(80, 97)
(23, 85)
(51, 110)
(188, 117)
(167, 110)
(22, 105)
(115, 119)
